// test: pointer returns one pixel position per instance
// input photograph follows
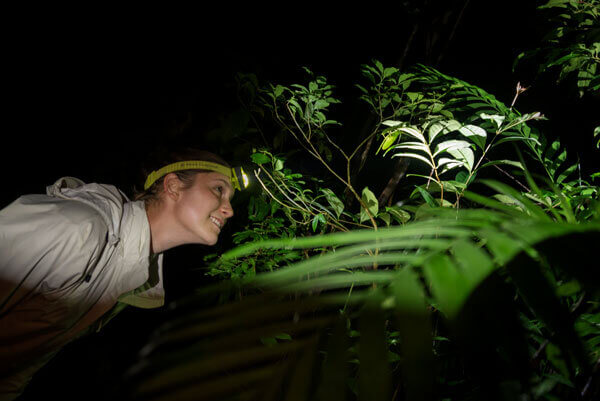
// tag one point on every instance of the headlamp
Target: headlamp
(237, 176)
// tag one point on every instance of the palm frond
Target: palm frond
(292, 336)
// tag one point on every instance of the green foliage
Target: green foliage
(572, 45)
(331, 294)
(428, 271)
(445, 123)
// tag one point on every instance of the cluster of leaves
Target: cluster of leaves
(268, 219)
(573, 43)
(440, 288)
(287, 205)
(460, 134)
(490, 298)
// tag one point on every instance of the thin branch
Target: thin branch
(308, 207)
(512, 178)
(257, 173)
(336, 146)
(316, 154)
(284, 193)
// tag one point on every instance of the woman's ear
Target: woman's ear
(172, 186)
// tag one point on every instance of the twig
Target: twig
(256, 173)
(316, 154)
(513, 178)
(299, 208)
(518, 91)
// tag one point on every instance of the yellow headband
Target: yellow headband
(236, 176)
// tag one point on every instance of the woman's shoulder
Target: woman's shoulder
(43, 211)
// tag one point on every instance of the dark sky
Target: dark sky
(94, 109)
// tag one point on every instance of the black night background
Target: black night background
(95, 111)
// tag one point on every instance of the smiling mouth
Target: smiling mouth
(217, 222)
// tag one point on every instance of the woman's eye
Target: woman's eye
(220, 189)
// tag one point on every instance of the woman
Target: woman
(73, 258)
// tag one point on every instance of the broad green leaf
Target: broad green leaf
(464, 155)
(448, 286)
(566, 173)
(400, 215)
(278, 91)
(475, 134)
(502, 246)
(389, 71)
(413, 132)
(497, 119)
(476, 264)
(362, 89)
(442, 127)
(555, 3)
(452, 144)
(321, 104)
(260, 158)
(563, 59)
(413, 145)
(427, 197)
(385, 217)
(319, 218)
(449, 164)
(415, 156)
(462, 177)
(336, 204)
(408, 293)
(454, 185)
(370, 200)
(392, 123)
(414, 96)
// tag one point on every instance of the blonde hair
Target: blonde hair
(153, 194)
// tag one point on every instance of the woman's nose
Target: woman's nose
(226, 209)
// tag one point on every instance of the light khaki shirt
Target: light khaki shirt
(68, 260)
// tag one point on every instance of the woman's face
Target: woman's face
(203, 209)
